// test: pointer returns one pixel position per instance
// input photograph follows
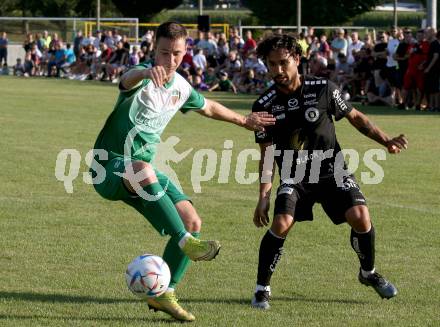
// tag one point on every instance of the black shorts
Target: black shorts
(392, 76)
(297, 200)
(432, 80)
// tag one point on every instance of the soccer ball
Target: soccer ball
(148, 276)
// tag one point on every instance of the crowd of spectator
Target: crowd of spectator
(397, 68)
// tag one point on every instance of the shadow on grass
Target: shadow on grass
(77, 318)
(61, 298)
(294, 298)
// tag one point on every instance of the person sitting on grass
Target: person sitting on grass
(5, 70)
(18, 68)
(225, 84)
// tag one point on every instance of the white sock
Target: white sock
(262, 288)
(183, 240)
(366, 273)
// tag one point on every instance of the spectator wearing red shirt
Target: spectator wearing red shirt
(250, 43)
(414, 76)
(402, 56)
(104, 58)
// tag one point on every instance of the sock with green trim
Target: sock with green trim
(162, 213)
(177, 261)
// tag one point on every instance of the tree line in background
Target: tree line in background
(281, 12)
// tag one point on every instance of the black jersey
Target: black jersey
(304, 129)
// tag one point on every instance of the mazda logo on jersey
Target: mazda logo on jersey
(293, 104)
(312, 114)
(261, 134)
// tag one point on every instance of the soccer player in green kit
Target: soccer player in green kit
(149, 98)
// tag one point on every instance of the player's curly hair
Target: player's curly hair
(171, 30)
(278, 41)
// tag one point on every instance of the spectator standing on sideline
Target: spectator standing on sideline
(414, 76)
(432, 70)
(46, 39)
(250, 43)
(354, 47)
(77, 42)
(4, 48)
(402, 56)
(380, 57)
(391, 65)
(199, 60)
(339, 44)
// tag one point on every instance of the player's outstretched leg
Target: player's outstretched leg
(199, 250)
(161, 212)
(271, 249)
(363, 244)
(167, 303)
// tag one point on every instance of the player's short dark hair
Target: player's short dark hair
(171, 30)
(278, 41)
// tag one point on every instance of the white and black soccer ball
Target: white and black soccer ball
(148, 276)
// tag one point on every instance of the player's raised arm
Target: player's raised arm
(366, 127)
(133, 77)
(255, 121)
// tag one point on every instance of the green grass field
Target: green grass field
(63, 256)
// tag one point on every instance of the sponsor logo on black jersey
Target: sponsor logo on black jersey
(311, 102)
(310, 95)
(312, 114)
(277, 108)
(279, 117)
(293, 104)
(260, 134)
(266, 97)
(339, 101)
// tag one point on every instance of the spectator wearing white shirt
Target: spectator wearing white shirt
(97, 40)
(209, 45)
(339, 44)
(116, 36)
(232, 64)
(355, 46)
(255, 63)
(199, 60)
(89, 39)
(108, 39)
(391, 65)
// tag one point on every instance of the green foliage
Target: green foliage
(144, 9)
(314, 12)
(231, 17)
(385, 19)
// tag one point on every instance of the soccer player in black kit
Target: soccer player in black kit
(304, 146)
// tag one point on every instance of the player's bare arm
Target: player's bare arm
(366, 127)
(255, 121)
(261, 213)
(133, 77)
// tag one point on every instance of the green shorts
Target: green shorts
(113, 188)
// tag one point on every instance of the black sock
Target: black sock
(271, 249)
(363, 245)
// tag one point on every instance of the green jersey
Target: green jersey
(141, 114)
